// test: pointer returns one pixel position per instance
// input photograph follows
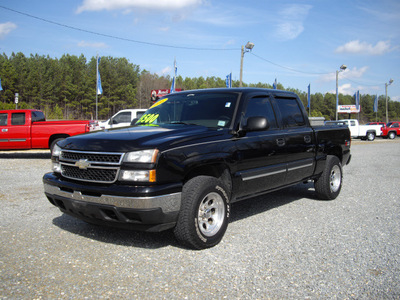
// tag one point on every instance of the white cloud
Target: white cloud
(166, 70)
(85, 44)
(357, 47)
(291, 19)
(6, 28)
(348, 73)
(170, 5)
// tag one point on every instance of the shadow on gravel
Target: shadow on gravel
(117, 236)
(258, 205)
(240, 210)
(25, 155)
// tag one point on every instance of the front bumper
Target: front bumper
(153, 212)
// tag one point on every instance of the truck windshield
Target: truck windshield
(213, 110)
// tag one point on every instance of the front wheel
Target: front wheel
(203, 218)
(329, 184)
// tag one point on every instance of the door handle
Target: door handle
(280, 142)
(4, 130)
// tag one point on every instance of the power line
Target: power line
(288, 68)
(116, 37)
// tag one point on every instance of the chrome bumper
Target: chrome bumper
(167, 203)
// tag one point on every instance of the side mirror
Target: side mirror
(256, 124)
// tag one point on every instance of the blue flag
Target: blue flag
(1, 88)
(376, 104)
(358, 100)
(228, 80)
(173, 79)
(309, 96)
(275, 84)
(99, 88)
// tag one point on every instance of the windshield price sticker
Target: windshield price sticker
(147, 119)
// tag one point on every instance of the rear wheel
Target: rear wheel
(392, 135)
(329, 184)
(204, 214)
(370, 136)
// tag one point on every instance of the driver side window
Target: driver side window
(260, 107)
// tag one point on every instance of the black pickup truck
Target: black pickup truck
(190, 156)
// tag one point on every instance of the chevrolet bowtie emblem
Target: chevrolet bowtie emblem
(82, 164)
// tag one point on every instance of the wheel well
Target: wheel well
(219, 171)
(57, 136)
(336, 152)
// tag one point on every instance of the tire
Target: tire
(329, 184)
(204, 215)
(392, 135)
(370, 136)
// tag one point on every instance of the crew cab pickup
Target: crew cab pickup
(28, 129)
(192, 155)
(391, 130)
(357, 131)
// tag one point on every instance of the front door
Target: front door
(261, 158)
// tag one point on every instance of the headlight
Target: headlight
(56, 167)
(138, 175)
(56, 150)
(143, 156)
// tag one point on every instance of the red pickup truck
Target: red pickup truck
(28, 129)
(391, 130)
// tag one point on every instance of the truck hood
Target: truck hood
(139, 137)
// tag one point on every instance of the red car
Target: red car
(391, 130)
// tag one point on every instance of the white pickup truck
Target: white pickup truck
(122, 118)
(357, 131)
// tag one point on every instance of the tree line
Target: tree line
(65, 88)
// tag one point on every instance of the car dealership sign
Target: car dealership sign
(348, 109)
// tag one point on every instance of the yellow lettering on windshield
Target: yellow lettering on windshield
(159, 102)
(147, 119)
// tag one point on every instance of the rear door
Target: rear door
(15, 131)
(299, 139)
(261, 154)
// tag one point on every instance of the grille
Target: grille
(94, 175)
(93, 157)
(101, 167)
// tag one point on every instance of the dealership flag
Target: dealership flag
(376, 104)
(275, 85)
(228, 80)
(309, 96)
(358, 100)
(99, 88)
(173, 79)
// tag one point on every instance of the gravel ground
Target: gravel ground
(285, 245)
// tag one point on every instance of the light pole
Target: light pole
(387, 111)
(248, 47)
(342, 68)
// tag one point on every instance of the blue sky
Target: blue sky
(298, 42)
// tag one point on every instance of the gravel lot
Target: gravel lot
(285, 245)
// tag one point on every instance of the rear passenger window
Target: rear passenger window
(291, 112)
(3, 119)
(261, 107)
(18, 119)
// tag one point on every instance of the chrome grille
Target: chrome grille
(93, 157)
(90, 166)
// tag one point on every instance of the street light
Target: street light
(387, 112)
(342, 68)
(248, 47)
